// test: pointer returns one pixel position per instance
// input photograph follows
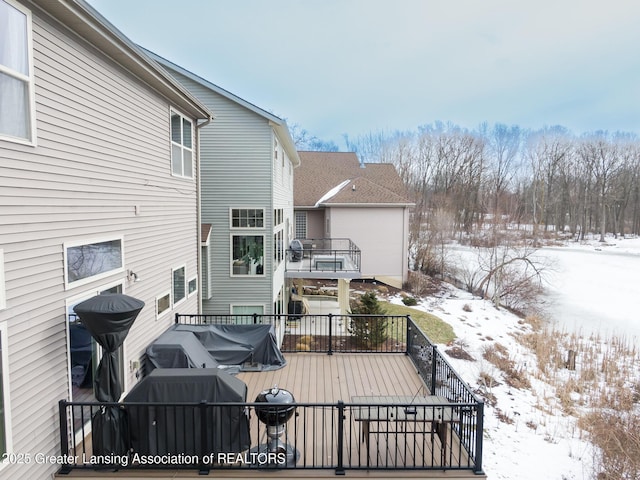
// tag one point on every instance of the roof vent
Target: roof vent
(353, 187)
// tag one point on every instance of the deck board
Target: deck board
(321, 378)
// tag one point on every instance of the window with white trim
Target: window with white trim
(181, 146)
(179, 284)
(301, 225)
(192, 286)
(247, 218)
(5, 407)
(163, 304)
(247, 254)
(3, 291)
(17, 101)
(86, 262)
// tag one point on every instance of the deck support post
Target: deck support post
(340, 465)
(330, 351)
(479, 433)
(434, 369)
(64, 436)
(204, 469)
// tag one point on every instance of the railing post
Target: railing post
(204, 450)
(64, 436)
(340, 462)
(407, 330)
(255, 318)
(479, 435)
(330, 352)
(434, 368)
(176, 318)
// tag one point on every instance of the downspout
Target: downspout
(199, 212)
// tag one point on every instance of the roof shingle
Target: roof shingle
(370, 183)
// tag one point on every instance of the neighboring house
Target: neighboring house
(336, 196)
(247, 163)
(98, 192)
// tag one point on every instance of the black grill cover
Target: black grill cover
(161, 430)
(179, 350)
(237, 344)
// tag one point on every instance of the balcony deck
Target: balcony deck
(328, 258)
(322, 378)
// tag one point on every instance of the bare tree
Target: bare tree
(602, 155)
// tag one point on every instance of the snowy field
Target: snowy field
(552, 450)
(594, 288)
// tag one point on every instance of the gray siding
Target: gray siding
(103, 148)
(237, 171)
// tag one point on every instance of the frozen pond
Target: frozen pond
(590, 288)
(595, 290)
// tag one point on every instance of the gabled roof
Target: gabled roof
(279, 125)
(338, 179)
(79, 17)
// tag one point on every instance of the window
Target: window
(3, 294)
(247, 218)
(163, 304)
(245, 312)
(86, 262)
(84, 352)
(179, 284)
(301, 224)
(278, 216)
(192, 286)
(247, 255)
(181, 146)
(5, 408)
(16, 73)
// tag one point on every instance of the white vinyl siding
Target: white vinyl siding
(98, 173)
(3, 292)
(17, 101)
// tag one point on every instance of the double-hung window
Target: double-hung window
(17, 102)
(181, 146)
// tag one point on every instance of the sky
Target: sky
(354, 67)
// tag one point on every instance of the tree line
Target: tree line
(545, 180)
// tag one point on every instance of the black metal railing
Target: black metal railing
(324, 333)
(442, 380)
(325, 255)
(401, 436)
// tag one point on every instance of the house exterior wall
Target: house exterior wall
(316, 227)
(101, 169)
(240, 169)
(380, 233)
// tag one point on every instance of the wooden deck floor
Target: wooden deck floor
(321, 378)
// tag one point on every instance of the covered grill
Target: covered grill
(278, 409)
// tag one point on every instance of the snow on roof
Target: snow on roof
(334, 191)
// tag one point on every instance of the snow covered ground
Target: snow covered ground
(536, 444)
(534, 439)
